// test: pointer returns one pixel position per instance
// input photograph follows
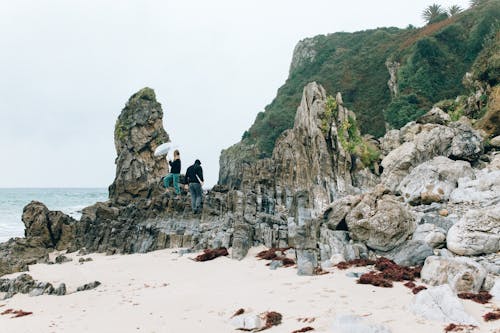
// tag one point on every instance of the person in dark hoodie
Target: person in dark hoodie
(194, 177)
(175, 170)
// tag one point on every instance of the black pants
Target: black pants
(196, 192)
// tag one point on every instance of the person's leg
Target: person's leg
(198, 197)
(192, 190)
(176, 183)
(166, 180)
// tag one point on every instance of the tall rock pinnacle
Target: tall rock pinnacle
(138, 131)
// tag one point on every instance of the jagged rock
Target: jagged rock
(41, 288)
(138, 131)
(461, 273)
(53, 229)
(440, 304)
(435, 116)
(355, 324)
(25, 284)
(390, 141)
(411, 253)
(17, 254)
(380, 220)
(478, 232)
(433, 181)
(89, 286)
(82, 260)
(337, 211)
(444, 223)
(333, 243)
(424, 142)
(307, 261)
(429, 233)
(60, 259)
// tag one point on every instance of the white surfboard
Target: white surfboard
(163, 149)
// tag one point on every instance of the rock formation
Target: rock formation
(138, 131)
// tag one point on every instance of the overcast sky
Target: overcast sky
(68, 67)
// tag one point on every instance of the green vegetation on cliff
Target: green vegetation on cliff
(429, 64)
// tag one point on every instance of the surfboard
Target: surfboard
(163, 149)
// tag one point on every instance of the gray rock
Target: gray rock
(61, 290)
(274, 264)
(353, 274)
(411, 253)
(60, 259)
(434, 236)
(243, 239)
(440, 304)
(461, 273)
(82, 260)
(380, 220)
(89, 286)
(483, 187)
(307, 261)
(435, 116)
(478, 232)
(355, 324)
(495, 291)
(444, 223)
(495, 142)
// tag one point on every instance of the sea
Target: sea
(68, 200)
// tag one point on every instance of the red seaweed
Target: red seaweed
(21, 313)
(410, 285)
(270, 254)
(355, 262)
(7, 311)
(458, 328)
(304, 329)
(482, 297)
(418, 289)
(239, 312)
(272, 318)
(490, 316)
(210, 254)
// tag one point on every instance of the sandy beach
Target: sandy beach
(162, 291)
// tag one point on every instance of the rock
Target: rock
(443, 212)
(307, 261)
(435, 116)
(433, 181)
(440, 304)
(61, 290)
(89, 286)
(495, 142)
(53, 229)
(380, 221)
(60, 259)
(411, 253)
(438, 221)
(461, 273)
(274, 264)
(138, 131)
(422, 143)
(25, 284)
(478, 232)
(483, 187)
(242, 240)
(82, 260)
(41, 288)
(390, 141)
(17, 254)
(495, 291)
(432, 235)
(355, 324)
(247, 322)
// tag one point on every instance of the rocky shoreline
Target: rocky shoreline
(430, 198)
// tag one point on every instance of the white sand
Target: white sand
(163, 292)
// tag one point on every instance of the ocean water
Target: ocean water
(68, 200)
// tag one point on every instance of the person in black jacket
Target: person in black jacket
(175, 171)
(194, 177)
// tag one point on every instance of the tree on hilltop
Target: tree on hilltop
(454, 10)
(431, 13)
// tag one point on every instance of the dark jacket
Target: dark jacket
(193, 171)
(175, 166)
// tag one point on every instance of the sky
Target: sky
(67, 69)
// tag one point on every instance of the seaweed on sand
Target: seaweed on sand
(210, 254)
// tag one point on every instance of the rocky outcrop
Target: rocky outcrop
(303, 53)
(138, 131)
(25, 284)
(423, 142)
(435, 116)
(478, 232)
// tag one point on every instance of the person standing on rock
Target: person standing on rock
(175, 171)
(194, 177)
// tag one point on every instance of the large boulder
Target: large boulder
(431, 234)
(380, 220)
(411, 253)
(433, 181)
(461, 273)
(440, 304)
(53, 229)
(435, 116)
(478, 232)
(138, 131)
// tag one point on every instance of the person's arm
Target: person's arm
(199, 173)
